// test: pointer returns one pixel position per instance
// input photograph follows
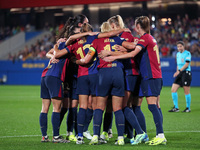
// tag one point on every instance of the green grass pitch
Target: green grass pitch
(20, 107)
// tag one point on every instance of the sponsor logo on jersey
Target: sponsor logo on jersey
(142, 40)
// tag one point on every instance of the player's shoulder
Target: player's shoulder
(144, 38)
(95, 41)
(127, 34)
(187, 52)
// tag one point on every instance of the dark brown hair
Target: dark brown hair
(70, 24)
(144, 22)
(180, 42)
(86, 27)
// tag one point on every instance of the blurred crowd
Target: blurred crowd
(169, 32)
(7, 32)
(166, 33)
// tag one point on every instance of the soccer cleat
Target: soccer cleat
(94, 140)
(102, 141)
(145, 139)
(158, 141)
(87, 135)
(59, 139)
(174, 109)
(71, 138)
(119, 142)
(110, 133)
(80, 140)
(45, 139)
(104, 136)
(132, 140)
(186, 110)
(138, 139)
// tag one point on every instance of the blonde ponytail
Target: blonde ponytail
(117, 20)
(105, 27)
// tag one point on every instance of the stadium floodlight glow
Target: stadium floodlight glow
(153, 26)
(153, 18)
(59, 14)
(15, 9)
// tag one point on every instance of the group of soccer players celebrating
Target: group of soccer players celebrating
(109, 70)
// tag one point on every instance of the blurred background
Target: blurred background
(28, 30)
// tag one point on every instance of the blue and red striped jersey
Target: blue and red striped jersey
(148, 58)
(107, 44)
(80, 50)
(57, 69)
(130, 66)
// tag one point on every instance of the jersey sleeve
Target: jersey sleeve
(69, 49)
(128, 36)
(143, 42)
(61, 46)
(94, 44)
(93, 37)
(188, 57)
(119, 40)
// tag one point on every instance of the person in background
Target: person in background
(183, 77)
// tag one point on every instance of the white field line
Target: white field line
(114, 133)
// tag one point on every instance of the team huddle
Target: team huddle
(109, 70)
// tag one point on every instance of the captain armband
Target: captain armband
(92, 51)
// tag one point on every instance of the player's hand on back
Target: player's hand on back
(109, 59)
(127, 30)
(103, 54)
(120, 48)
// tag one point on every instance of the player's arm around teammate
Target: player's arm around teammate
(151, 74)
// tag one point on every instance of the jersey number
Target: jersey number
(80, 52)
(107, 47)
(155, 48)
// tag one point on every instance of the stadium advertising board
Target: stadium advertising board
(29, 72)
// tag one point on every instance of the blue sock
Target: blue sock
(107, 122)
(89, 115)
(161, 114)
(131, 118)
(43, 123)
(71, 119)
(120, 122)
(81, 120)
(157, 118)
(97, 120)
(140, 117)
(188, 100)
(62, 114)
(55, 120)
(75, 120)
(175, 99)
(128, 129)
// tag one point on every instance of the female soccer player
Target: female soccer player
(72, 26)
(110, 82)
(52, 91)
(149, 65)
(86, 75)
(131, 77)
(182, 76)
